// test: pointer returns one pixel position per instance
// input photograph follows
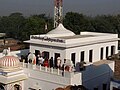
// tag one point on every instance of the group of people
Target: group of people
(52, 63)
(48, 62)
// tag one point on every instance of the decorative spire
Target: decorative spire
(58, 12)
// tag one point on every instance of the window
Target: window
(104, 86)
(32, 89)
(95, 88)
(73, 58)
(101, 53)
(114, 88)
(82, 56)
(107, 50)
(112, 50)
(17, 87)
(90, 55)
(2, 87)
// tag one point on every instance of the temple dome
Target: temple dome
(61, 31)
(8, 63)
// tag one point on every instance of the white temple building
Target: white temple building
(83, 56)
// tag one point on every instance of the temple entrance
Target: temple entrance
(17, 87)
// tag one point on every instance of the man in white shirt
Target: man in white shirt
(40, 60)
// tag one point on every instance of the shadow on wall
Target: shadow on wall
(97, 76)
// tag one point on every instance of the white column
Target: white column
(109, 51)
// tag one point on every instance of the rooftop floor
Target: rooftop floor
(76, 36)
(102, 62)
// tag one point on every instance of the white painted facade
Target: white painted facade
(75, 44)
(98, 71)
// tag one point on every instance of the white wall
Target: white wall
(11, 85)
(93, 76)
(66, 53)
(49, 81)
(96, 51)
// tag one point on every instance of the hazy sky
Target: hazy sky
(87, 7)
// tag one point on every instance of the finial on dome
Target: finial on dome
(6, 52)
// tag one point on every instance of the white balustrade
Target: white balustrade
(45, 69)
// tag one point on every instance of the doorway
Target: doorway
(101, 53)
(2, 87)
(73, 58)
(82, 56)
(107, 50)
(112, 50)
(55, 59)
(37, 52)
(90, 55)
(45, 55)
(17, 87)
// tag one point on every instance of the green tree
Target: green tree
(34, 25)
(77, 22)
(16, 24)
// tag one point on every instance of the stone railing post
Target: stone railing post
(23, 63)
(45, 68)
(40, 67)
(34, 66)
(51, 69)
(58, 71)
(28, 65)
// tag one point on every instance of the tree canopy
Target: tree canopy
(20, 27)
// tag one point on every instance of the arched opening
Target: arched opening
(2, 87)
(17, 87)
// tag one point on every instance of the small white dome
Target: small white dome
(61, 31)
(9, 63)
